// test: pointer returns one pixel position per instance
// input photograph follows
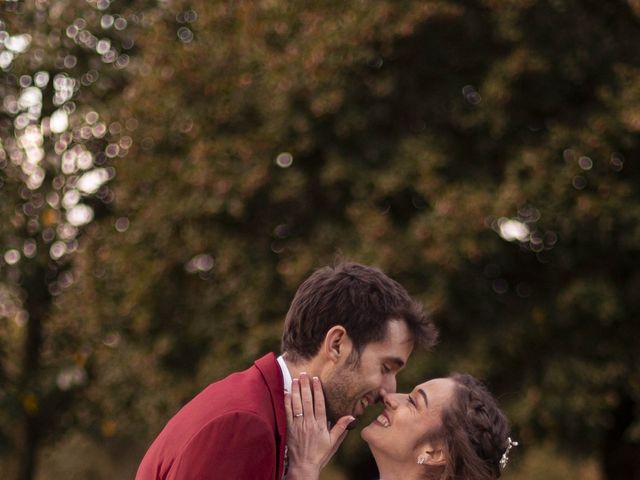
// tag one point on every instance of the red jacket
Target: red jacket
(235, 429)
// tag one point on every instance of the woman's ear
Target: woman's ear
(432, 455)
(337, 345)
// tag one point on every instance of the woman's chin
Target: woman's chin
(365, 433)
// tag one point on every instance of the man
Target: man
(349, 325)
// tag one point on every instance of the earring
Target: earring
(421, 460)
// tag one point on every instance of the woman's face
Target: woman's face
(398, 431)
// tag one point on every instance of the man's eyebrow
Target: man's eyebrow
(424, 395)
(399, 363)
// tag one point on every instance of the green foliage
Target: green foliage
(480, 152)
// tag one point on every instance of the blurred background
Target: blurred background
(170, 171)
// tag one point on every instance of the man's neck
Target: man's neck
(296, 368)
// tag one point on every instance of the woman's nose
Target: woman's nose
(390, 400)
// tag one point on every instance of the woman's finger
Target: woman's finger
(296, 402)
(307, 396)
(287, 407)
(339, 430)
(318, 401)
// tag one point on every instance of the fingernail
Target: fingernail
(316, 379)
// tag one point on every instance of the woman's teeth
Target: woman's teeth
(383, 420)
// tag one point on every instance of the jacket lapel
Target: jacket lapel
(270, 370)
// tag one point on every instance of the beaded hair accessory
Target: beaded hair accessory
(505, 456)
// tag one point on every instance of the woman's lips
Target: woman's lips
(383, 420)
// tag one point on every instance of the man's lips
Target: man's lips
(367, 400)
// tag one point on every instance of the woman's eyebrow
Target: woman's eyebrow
(424, 395)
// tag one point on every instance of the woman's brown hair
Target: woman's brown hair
(475, 432)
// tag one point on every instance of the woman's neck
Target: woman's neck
(393, 470)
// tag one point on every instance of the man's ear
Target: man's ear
(337, 345)
(433, 455)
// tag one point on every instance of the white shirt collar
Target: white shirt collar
(286, 376)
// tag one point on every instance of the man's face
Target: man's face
(351, 388)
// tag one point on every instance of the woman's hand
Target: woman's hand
(310, 443)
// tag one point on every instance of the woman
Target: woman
(446, 428)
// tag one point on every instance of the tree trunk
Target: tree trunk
(38, 304)
(29, 452)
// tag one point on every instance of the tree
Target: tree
(57, 142)
(473, 150)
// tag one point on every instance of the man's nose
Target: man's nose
(389, 384)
